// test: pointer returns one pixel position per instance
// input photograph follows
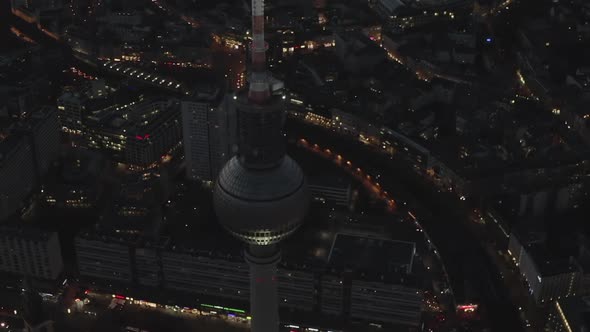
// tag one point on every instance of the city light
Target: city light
(467, 307)
(435, 124)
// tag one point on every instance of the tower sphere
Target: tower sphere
(261, 207)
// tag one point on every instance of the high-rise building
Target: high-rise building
(26, 81)
(133, 130)
(261, 196)
(104, 257)
(208, 134)
(30, 252)
(548, 276)
(153, 130)
(17, 173)
(71, 108)
(28, 148)
(42, 128)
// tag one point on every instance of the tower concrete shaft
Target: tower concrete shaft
(264, 310)
(259, 90)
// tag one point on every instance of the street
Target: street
(472, 275)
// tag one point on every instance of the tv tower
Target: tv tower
(261, 195)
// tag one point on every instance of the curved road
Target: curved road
(473, 275)
(439, 214)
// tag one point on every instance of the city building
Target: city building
(17, 174)
(148, 261)
(140, 195)
(331, 190)
(208, 124)
(76, 183)
(332, 295)
(132, 129)
(30, 252)
(71, 111)
(28, 148)
(24, 84)
(141, 135)
(549, 277)
(197, 262)
(42, 131)
(201, 273)
(353, 124)
(357, 52)
(386, 303)
(211, 275)
(385, 289)
(569, 315)
(549, 197)
(418, 155)
(445, 89)
(153, 131)
(105, 256)
(297, 288)
(377, 274)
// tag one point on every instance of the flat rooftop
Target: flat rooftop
(330, 180)
(381, 256)
(30, 233)
(549, 264)
(8, 143)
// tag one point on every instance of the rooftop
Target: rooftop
(7, 144)
(380, 257)
(122, 239)
(328, 180)
(547, 263)
(30, 233)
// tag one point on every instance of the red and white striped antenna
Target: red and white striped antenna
(259, 90)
